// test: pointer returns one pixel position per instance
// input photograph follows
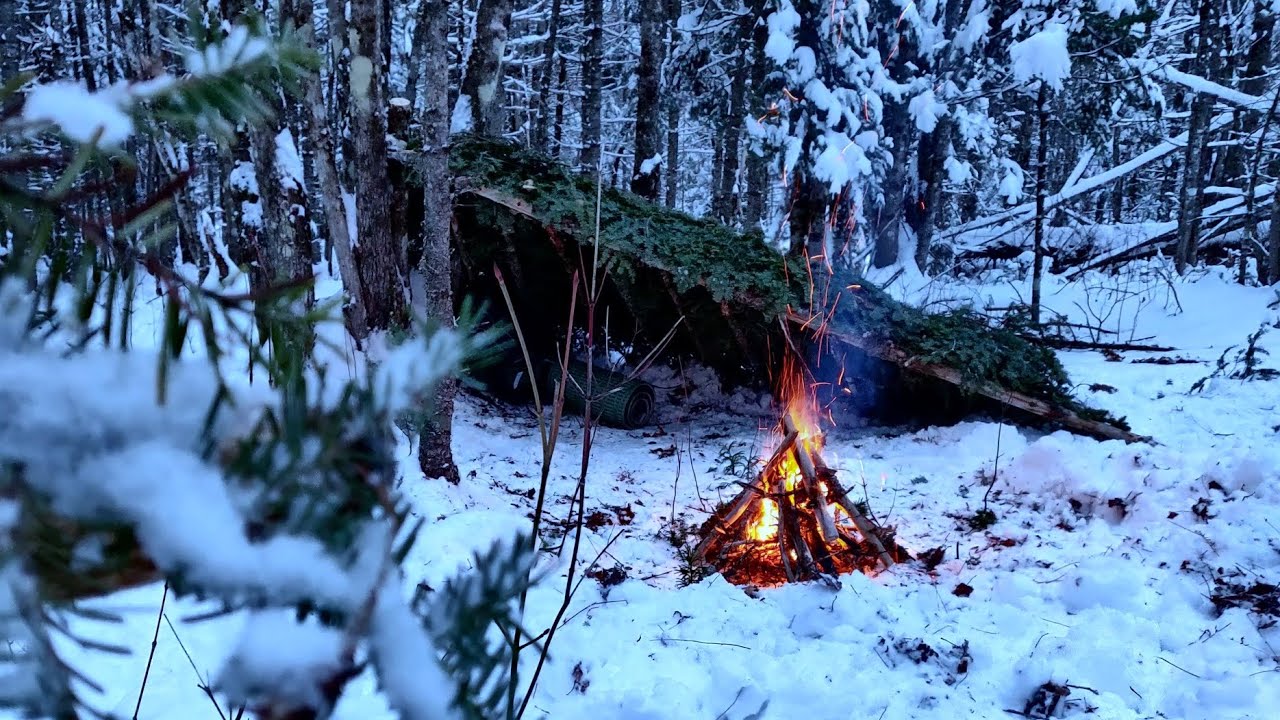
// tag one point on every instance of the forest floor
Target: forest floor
(1127, 581)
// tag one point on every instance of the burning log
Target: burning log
(749, 496)
(782, 528)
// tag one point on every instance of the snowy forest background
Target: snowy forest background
(222, 174)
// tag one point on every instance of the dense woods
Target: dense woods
(266, 170)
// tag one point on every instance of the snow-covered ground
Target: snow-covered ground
(1097, 575)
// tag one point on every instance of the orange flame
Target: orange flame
(801, 404)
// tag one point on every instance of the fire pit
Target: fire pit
(795, 522)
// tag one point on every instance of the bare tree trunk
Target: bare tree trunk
(10, 44)
(435, 452)
(592, 79)
(928, 200)
(726, 198)
(482, 83)
(1042, 146)
(1273, 242)
(1191, 196)
(757, 196)
(377, 257)
(674, 109)
(283, 245)
(547, 74)
(646, 174)
(562, 82)
(330, 189)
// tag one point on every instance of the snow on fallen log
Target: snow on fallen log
(1026, 211)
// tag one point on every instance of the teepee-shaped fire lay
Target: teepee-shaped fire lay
(795, 522)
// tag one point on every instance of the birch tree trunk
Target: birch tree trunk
(482, 83)
(435, 453)
(592, 79)
(377, 257)
(646, 174)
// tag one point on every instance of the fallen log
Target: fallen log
(1059, 415)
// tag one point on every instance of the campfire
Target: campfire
(795, 522)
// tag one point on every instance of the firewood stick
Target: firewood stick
(865, 527)
(826, 524)
(789, 525)
(784, 554)
(747, 497)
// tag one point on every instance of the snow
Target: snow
(1042, 56)
(650, 164)
(1069, 585)
(289, 162)
(237, 49)
(1116, 8)
(782, 24)
(461, 120)
(79, 113)
(925, 110)
(281, 660)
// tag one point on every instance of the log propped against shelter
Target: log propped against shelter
(734, 300)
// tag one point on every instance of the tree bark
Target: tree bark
(284, 243)
(330, 190)
(547, 74)
(726, 197)
(435, 453)
(928, 199)
(592, 79)
(646, 174)
(756, 204)
(482, 83)
(1042, 146)
(674, 108)
(10, 43)
(376, 254)
(1191, 195)
(1273, 242)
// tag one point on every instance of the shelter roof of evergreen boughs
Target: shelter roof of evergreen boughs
(729, 287)
(692, 251)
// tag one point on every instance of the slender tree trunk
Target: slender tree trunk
(928, 201)
(482, 85)
(726, 204)
(1042, 146)
(10, 44)
(756, 204)
(283, 253)
(562, 82)
(376, 254)
(84, 63)
(671, 191)
(547, 75)
(414, 62)
(593, 80)
(646, 174)
(319, 132)
(1191, 196)
(435, 452)
(1273, 242)
(1116, 190)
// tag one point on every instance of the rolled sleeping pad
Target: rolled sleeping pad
(616, 400)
